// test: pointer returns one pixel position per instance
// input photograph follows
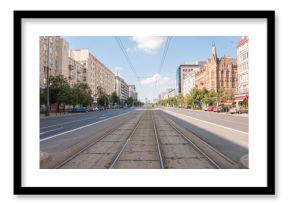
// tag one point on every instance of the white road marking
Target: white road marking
(51, 130)
(246, 133)
(68, 122)
(83, 127)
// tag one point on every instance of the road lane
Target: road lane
(222, 119)
(69, 125)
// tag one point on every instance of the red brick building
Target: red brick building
(217, 73)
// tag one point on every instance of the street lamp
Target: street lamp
(47, 80)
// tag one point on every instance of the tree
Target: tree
(225, 94)
(42, 99)
(59, 90)
(114, 99)
(81, 94)
(103, 99)
(130, 101)
(210, 97)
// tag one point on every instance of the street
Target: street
(143, 138)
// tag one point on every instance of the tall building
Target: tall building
(95, 73)
(121, 89)
(188, 83)
(77, 72)
(53, 53)
(182, 72)
(243, 66)
(217, 73)
(132, 92)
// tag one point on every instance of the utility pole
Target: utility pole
(47, 80)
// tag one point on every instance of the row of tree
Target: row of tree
(199, 97)
(113, 99)
(60, 92)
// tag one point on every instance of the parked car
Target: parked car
(214, 109)
(233, 110)
(80, 109)
(210, 108)
(238, 110)
(187, 107)
(90, 109)
(242, 110)
(205, 108)
(222, 108)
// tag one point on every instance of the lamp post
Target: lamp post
(47, 80)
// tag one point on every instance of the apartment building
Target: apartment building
(53, 52)
(95, 72)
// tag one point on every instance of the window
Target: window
(227, 78)
(222, 78)
(233, 79)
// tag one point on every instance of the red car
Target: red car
(215, 109)
(210, 108)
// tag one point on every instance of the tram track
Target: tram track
(149, 141)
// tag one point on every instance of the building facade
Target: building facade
(188, 83)
(95, 73)
(77, 72)
(53, 54)
(121, 89)
(132, 92)
(243, 66)
(217, 73)
(182, 72)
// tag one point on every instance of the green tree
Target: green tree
(114, 99)
(42, 96)
(130, 101)
(102, 97)
(59, 90)
(210, 97)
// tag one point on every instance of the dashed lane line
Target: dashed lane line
(54, 136)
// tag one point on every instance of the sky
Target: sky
(145, 54)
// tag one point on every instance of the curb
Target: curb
(45, 158)
(244, 162)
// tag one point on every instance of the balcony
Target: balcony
(70, 67)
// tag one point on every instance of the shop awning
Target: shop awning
(241, 98)
(228, 102)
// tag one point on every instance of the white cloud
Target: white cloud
(155, 78)
(149, 43)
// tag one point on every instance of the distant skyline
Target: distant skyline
(145, 54)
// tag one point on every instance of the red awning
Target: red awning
(228, 102)
(241, 98)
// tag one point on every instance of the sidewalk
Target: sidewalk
(42, 116)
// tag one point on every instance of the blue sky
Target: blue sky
(145, 54)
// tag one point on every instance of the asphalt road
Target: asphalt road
(227, 120)
(56, 126)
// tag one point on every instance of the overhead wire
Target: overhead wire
(168, 40)
(119, 41)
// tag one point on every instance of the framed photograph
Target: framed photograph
(144, 102)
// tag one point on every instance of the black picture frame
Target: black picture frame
(19, 189)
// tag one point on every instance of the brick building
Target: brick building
(217, 73)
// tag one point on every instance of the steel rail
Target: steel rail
(158, 145)
(193, 145)
(124, 145)
(87, 147)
